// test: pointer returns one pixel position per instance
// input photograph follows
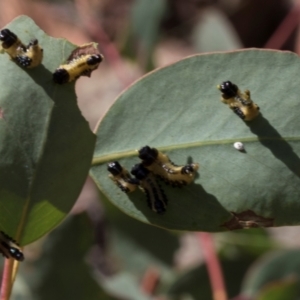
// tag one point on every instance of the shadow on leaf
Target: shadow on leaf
(188, 208)
(271, 138)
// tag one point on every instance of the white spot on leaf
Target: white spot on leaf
(239, 146)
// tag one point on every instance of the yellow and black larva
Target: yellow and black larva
(81, 62)
(33, 55)
(121, 177)
(240, 103)
(161, 166)
(25, 56)
(9, 247)
(156, 197)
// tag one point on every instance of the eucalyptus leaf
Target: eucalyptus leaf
(196, 281)
(127, 231)
(146, 17)
(46, 145)
(279, 269)
(124, 285)
(177, 109)
(214, 32)
(62, 272)
(285, 289)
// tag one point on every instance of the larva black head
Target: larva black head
(9, 247)
(16, 254)
(94, 59)
(8, 38)
(148, 155)
(23, 61)
(60, 76)
(187, 169)
(139, 171)
(228, 89)
(114, 168)
(33, 42)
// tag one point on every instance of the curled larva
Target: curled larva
(28, 56)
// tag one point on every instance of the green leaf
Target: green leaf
(129, 236)
(125, 286)
(128, 232)
(45, 144)
(63, 262)
(214, 32)
(197, 283)
(177, 109)
(145, 22)
(250, 242)
(285, 289)
(280, 268)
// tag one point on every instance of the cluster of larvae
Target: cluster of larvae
(154, 165)
(81, 62)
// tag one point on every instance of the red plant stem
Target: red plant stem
(285, 29)
(6, 285)
(150, 281)
(213, 266)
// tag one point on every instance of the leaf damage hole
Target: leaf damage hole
(247, 219)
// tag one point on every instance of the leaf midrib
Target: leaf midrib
(101, 159)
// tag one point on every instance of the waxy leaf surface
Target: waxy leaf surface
(45, 144)
(177, 109)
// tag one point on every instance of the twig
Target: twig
(213, 266)
(150, 281)
(6, 285)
